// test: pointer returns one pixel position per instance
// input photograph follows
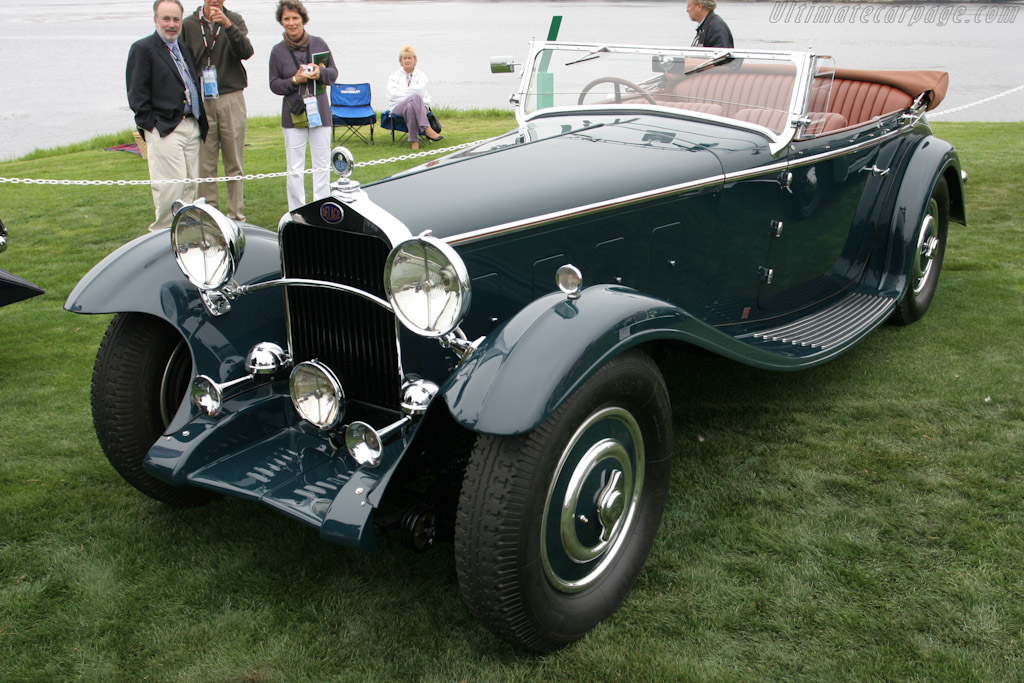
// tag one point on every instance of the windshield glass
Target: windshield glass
(753, 88)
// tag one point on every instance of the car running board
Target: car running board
(847, 319)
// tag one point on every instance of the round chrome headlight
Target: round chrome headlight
(207, 245)
(428, 286)
(317, 394)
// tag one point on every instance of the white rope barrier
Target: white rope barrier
(250, 176)
(974, 104)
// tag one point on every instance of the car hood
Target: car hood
(558, 165)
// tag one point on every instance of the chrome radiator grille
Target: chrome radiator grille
(352, 336)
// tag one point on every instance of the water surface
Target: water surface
(62, 61)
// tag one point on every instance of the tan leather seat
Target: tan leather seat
(772, 119)
(736, 91)
(702, 107)
(859, 101)
(775, 120)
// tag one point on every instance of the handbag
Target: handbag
(434, 123)
(298, 112)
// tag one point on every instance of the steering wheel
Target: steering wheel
(618, 81)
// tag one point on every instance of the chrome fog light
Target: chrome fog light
(317, 394)
(207, 245)
(427, 285)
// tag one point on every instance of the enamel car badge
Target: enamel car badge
(331, 212)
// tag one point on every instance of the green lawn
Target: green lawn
(860, 521)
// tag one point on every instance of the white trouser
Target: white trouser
(319, 139)
(175, 156)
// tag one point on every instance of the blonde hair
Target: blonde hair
(407, 50)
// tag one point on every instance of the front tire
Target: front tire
(143, 372)
(554, 526)
(927, 259)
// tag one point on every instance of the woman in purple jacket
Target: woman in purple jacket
(302, 70)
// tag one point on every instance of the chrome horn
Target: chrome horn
(266, 358)
(366, 444)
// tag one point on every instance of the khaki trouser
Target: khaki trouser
(227, 118)
(175, 156)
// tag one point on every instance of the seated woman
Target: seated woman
(408, 97)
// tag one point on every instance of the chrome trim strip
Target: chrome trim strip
(301, 282)
(533, 221)
(675, 189)
(841, 151)
(754, 172)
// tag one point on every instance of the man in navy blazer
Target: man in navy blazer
(163, 91)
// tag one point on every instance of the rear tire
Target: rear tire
(143, 372)
(927, 259)
(554, 526)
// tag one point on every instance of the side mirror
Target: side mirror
(503, 65)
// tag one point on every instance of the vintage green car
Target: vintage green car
(484, 367)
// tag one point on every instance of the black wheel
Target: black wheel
(553, 526)
(927, 261)
(618, 94)
(143, 372)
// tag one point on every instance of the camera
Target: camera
(308, 69)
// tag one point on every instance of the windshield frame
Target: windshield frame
(541, 53)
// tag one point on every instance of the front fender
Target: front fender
(931, 159)
(143, 277)
(14, 288)
(523, 371)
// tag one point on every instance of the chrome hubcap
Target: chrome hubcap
(611, 503)
(927, 246)
(592, 500)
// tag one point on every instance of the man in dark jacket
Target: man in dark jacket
(712, 30)
(220, 41)
(163, 91)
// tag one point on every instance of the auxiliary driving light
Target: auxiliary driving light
(317, 394)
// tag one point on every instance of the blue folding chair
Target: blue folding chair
(396, 124)
(350, 108)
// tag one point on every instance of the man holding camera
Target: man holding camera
(163, 91)
(220, 41)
